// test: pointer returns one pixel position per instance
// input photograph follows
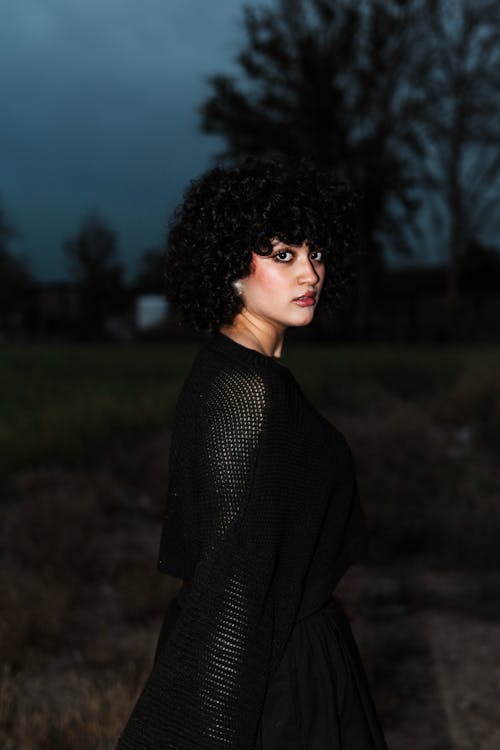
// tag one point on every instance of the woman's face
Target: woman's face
(276, 281)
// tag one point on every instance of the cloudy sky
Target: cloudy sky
(99, 106)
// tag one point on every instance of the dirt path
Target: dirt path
(393, 640)
(466, 655)
(430, 640)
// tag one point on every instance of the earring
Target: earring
(238, 286)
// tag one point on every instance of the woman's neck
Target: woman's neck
(268, 342)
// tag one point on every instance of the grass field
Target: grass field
(64, 404)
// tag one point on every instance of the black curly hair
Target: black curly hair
(230, 212)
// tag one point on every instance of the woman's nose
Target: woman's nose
(307, 271)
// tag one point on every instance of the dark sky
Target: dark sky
(99, 105)
(99, 111)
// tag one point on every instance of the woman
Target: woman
(263, 516)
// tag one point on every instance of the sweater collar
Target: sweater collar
(228, 345)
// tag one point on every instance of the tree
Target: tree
(339, 82)
(7, 230)
(96, 270)
(462, 124)
(15, 276)
(151, 272)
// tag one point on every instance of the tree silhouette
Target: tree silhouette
(340, 82)
(151, 271)
(97, 271)
(16, 278)
(463, 126)
(7, 230)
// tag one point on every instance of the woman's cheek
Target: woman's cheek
(270, 279)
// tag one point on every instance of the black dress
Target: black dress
(263, 518)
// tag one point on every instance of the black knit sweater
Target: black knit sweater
(262, 520)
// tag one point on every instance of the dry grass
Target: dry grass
(76, 432)
(473, 405)
(90, 715)
(34, 614)
(428, 471)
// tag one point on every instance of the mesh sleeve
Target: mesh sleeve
(208, 684)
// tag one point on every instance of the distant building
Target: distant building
(151, 310)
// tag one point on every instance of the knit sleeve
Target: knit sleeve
(207, 687)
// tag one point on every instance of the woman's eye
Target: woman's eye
(281, 254)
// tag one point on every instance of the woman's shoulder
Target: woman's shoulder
(224, 360)
(227, 376)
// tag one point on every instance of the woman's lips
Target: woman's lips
(305, 301)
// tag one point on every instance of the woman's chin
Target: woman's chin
(302, 319)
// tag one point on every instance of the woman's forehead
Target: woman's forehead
(278, 241)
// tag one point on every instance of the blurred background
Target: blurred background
(108, 110)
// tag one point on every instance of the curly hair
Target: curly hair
(230, 212)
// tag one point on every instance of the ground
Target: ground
(84, 607)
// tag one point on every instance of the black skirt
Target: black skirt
(319, 697)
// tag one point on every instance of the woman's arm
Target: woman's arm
(208, 684)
